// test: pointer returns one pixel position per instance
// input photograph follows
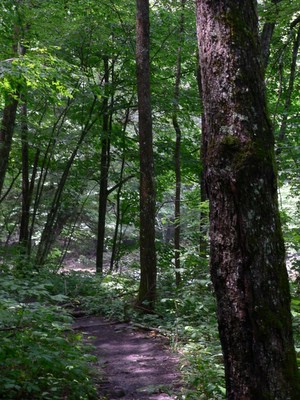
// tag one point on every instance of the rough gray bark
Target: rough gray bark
(147, 288)
(247, 250)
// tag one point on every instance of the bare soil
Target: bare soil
(136, 364)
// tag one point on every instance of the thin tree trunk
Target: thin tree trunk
(69, 235)
(24, 226)
(177, 155)
(118, 218)
(10, 110)
(147, 287)
(266, 37)
(118, 204)
(247, 250)
(31, 188)
(6, 135)
(104, 168)
(44, 169)
(203, 230)
(52, 226)
(288, 99)
(10, 187)
(177, 214)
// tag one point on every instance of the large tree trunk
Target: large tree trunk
(147, 289)
(247, 249)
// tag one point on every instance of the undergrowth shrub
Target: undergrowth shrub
(295, 310)
(40, 356)
(108, 296)
(190, 314)
(203, 372)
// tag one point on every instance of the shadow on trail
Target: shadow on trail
(136, 365)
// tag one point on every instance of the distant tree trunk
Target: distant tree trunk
(114, 246)
(104, 168)
(147, 288)
(56, 218)
(247, 249)
(177, 155)
(118, 200)
(31, 187)
(266, 37)
(10, 108)
(71, 230)
(289, 92)
(44, 169)
(10, 187)
(6, 135)
(203, 244)
(24, 226)
(177, 214)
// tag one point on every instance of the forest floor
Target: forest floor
(135, 364)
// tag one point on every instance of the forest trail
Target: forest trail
(137, 365)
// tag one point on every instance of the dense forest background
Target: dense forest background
(69, 184)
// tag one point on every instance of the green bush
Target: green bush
(40, 356)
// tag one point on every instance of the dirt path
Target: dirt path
(137, 365)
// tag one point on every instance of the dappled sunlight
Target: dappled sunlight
(131, 359)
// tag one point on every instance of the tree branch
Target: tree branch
(121, 183)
